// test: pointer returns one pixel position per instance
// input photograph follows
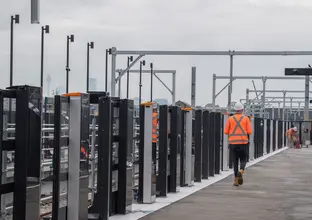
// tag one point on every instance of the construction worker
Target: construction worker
(238, 128)
(154, 137)
(292, 137)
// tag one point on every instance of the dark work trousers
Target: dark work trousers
(154, 150)
(238, 154)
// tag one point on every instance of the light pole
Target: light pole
(151, 65)
(142, 63)
(14, 20)
(89, 46)
(130, 59)
(70, 38)
(44, 30)
(106, 67)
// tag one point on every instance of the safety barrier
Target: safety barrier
(190, 147)
(26, 145)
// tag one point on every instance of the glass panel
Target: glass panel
(8, 156)
(93, 148)
(64, 154)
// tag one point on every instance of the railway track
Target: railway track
(45, 207)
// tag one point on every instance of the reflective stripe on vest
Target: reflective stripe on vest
(238, 126)
(154, 128)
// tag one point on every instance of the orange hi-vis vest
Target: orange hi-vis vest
(290, 132)
(154, 128)
(238, 128)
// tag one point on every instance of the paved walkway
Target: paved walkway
(278, 188)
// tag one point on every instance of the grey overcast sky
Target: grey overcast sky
(159, 25)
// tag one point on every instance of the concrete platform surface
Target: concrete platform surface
(278, 188)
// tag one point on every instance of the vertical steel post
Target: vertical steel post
(128, 74)
(247, 109)
(152, 73)
(291, 111)
(279, 110)
(193, 87)
(106, 68)
(299, 115)
(253, 109)
(230, 86)
(113, 72)
(306, 108)
(273, 112)
(214, 79)
(284, 104)
(173, 88)
(88, 72)
(263, 97)
(119, 85)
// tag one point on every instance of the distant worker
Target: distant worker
(292, 137)
(238, 128)
(154, 129)
(154, 136)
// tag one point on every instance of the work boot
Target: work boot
(240, 179)
(236, 181)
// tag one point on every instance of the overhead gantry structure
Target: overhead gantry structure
(155, 72)
(276, 91)
(263, 78)
(231, 53)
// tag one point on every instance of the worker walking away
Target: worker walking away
(238, 128)
(292, 137)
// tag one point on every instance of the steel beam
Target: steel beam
(271, 97)
(272, 101)
(212, 53)
(287, 91)
(149, 71)
(261, 77)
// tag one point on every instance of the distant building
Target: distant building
(161, 101)
(182, 104)
(61, 90)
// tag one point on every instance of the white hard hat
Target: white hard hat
(295, 129)
(238, 106)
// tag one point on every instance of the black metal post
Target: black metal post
(162, 178)
(44, 29)
(70, 38)
(198, 145)
(88, 74)
(128, 72)
(142, 63)
(89, 45)
(106, 68)
(14, 19)
(152, 81)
